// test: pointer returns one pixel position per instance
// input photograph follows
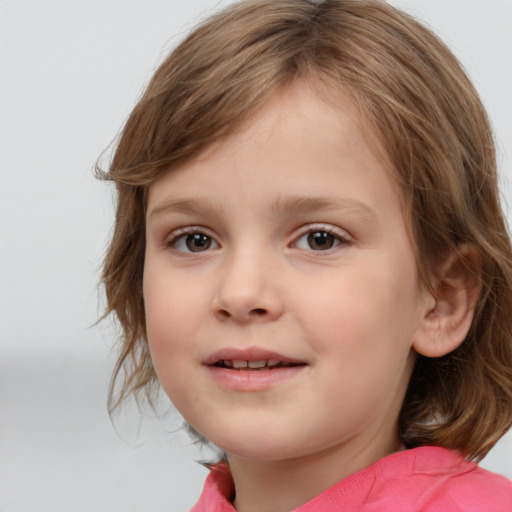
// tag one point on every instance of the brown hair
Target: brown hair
(437, 136)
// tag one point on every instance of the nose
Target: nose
(247, 289)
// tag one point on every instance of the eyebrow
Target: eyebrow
(282, 206)
(184, 205)
(297, 204)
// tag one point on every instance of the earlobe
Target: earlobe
(446, 323)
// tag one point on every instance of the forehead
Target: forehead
(294, 111)
(297, 107)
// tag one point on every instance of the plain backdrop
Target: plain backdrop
(71, 70)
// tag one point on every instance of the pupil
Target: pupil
(198, 242)
(320, 240)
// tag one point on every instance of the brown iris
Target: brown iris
(198, 242)
(321, 240)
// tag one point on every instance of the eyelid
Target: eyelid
(344, 237)
(176, 234)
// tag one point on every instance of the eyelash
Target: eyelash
(324, 229)
(180, 236)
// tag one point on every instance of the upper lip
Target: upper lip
(249, 354)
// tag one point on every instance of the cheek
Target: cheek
(173, 326)
(168, 301)
(368, 310)
(170, 324)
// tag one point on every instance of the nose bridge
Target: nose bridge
(247, 288)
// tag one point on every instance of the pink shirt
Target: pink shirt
(425, 479)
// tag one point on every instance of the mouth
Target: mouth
(252, 359)
(252, 369)
(254, 366)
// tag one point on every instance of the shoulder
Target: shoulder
(438, 480)
(473, 489)
(217, 492)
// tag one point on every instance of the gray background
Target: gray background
(71, 71)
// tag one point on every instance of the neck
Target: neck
(283, 485)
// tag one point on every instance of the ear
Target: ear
(448, 317)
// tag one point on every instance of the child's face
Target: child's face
(286, 243)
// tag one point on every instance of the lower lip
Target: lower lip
(247, 380)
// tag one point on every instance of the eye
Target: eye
(193, 242)
(319, 240)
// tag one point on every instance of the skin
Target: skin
(351, 313)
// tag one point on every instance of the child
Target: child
(310, 257)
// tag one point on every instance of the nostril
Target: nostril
(258, 311)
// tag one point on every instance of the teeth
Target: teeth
(271, 363)
(257, 364)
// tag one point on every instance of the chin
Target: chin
(258, 445)
(261, 453)
(251, 433)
